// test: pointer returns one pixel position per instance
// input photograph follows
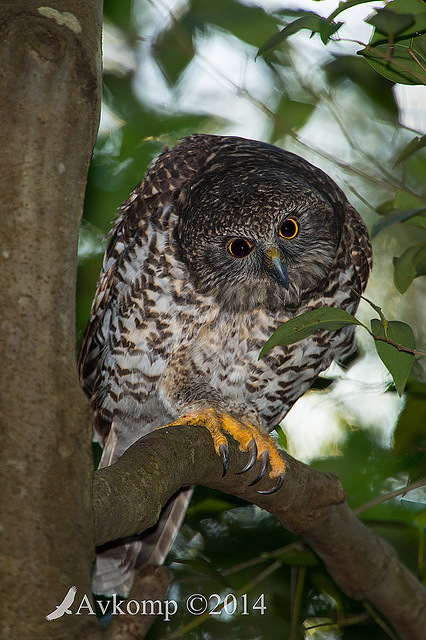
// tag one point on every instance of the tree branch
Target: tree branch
(129, 495)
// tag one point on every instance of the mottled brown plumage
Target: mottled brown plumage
(179, 316)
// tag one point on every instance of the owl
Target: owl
(224, 240)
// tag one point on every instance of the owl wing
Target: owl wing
(152, 203)
(361, 253)
(353, 260)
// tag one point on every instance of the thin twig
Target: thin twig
(345, 622)
(297, 604)
(379, 620)
(388, 496)
(400, 347)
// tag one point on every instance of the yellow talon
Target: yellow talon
(250, 438)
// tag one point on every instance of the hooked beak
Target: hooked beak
(279, 268)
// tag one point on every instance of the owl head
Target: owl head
(260, 227)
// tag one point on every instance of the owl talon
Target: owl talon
(224, 454)
(277, 485)
(259, 445)
(252, 459)
(264, 461)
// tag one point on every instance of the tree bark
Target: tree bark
(49, 112)
(128, 497)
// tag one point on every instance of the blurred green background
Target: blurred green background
(172, 68)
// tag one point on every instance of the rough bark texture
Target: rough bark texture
(49, 110)
(129, 495)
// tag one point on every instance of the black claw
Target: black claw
(276, 486)
(253, 457)
(264, 460)
(224, 454)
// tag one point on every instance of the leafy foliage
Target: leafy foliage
(411, 264)
(397, 48)
(394, 340)
(397, 361)
(304, 325)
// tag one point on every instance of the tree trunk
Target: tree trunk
(49, 111)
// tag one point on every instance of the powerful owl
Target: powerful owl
(224, 240)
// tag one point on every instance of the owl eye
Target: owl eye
(289, 229)
(240, 248)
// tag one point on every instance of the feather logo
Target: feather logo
(64, 607)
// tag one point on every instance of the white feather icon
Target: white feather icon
(64, 607)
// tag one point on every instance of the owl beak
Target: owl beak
(279, 268)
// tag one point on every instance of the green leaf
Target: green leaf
(404, 200)
(290, 115)
(399, 66)
(303, 326)
(401, 55)
(390, 23)
(282, 438)
(119, 14)
(397, 362)
(345, 4)
(414, 145)
(310, 21)
(404, 207)
(251, 24)
(415, 217)
(327, 29)
(411, 264)
(417, 220)
(174, 50)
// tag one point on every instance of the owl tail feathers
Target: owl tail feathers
(115, 568)
(158, 541)
(116, 563)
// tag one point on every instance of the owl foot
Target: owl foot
(258, 444)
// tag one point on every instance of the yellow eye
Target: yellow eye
(289, 229)
(240, 248)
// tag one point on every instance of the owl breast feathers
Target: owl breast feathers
(200, 270)
(223, 240)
